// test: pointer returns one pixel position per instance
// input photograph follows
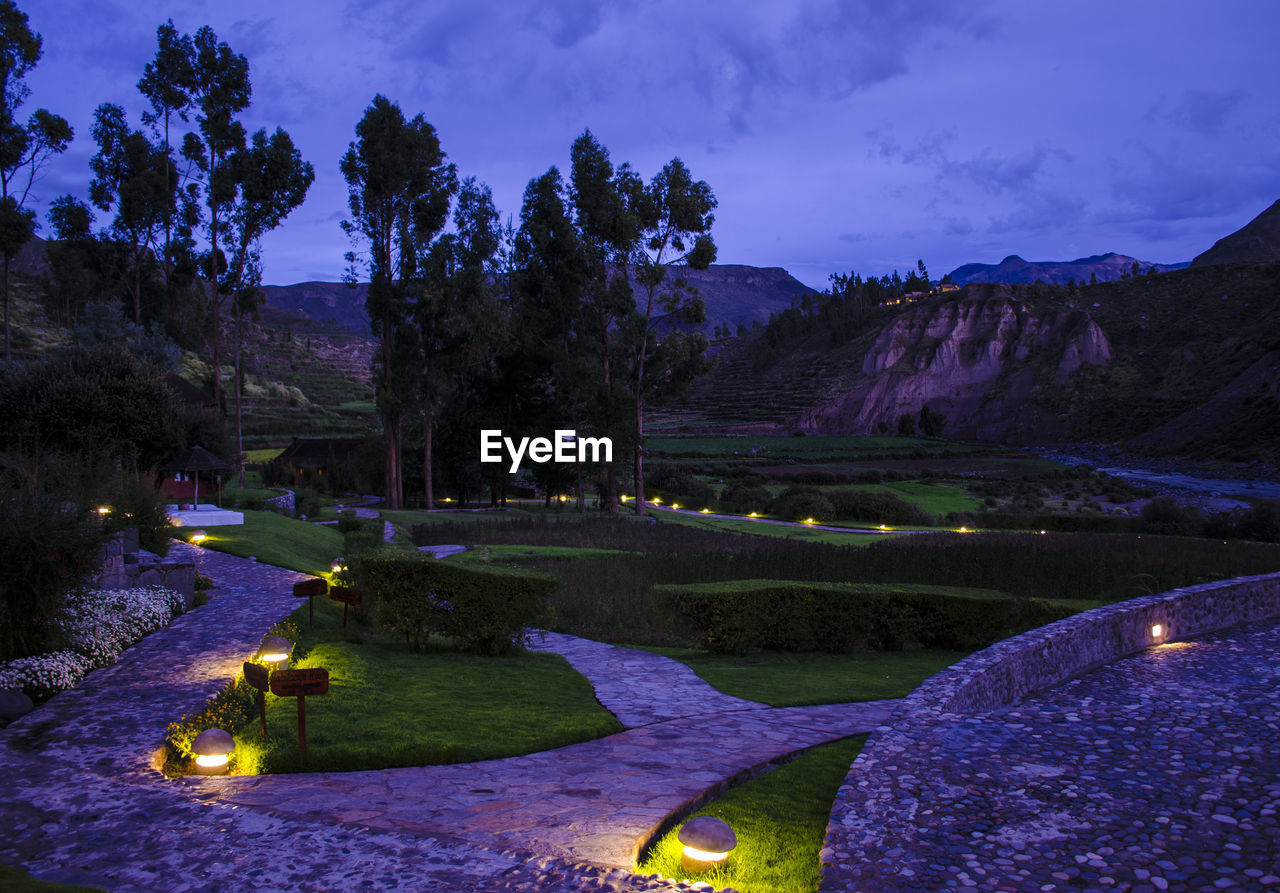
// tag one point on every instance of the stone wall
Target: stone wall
(125, 565)
(284, 503)
(871, 800)
(1042, 658)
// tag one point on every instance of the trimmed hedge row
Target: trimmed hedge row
(486, 611)
(737, 616)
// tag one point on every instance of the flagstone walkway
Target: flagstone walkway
(81, 801)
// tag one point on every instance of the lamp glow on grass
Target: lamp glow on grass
(779, 819)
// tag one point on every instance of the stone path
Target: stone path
(639, 687)
(81, 801)
(1157, 772)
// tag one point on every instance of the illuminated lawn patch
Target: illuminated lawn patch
(275, 539)
(780, 820)
(792, 680)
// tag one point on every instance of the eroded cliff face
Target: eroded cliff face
(977, 361)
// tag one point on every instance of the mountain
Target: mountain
(735, 295)
(1107, 267)
(1180, 364)
(334, 302)
(1258, 241)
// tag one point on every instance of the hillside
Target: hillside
(1176, 363)
(1258, 241)
(735, 295)
(1108, 267)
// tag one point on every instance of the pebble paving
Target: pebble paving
(1157, 772)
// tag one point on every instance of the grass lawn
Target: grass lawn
(783, 679)
(275, 539)
(780, 820)
(503, 553)
(755, 528)
(390, 706)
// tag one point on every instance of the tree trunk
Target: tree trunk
(639, 462)
(239, 390)
(429, 489)
(8, 356)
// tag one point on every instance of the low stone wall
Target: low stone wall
(284, 503)
(125, 565)
(1042, 658)
(1007, 672)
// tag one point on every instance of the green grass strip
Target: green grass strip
(275, 539)
(782, 679)
(780, 820)
(15, 880)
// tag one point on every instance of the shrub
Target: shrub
(675, 485)
(791, 616)
(744, 497)
(306, 503)
(802, 502)
(1165, 515)
(1262, 522)
(485, 611)
(142, 506)
(48, 548)
(347, 521)
(884, 507)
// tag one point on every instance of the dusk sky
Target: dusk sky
(837, 136)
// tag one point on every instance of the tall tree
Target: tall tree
(219, 91)
(24, 149)
(272, 180)
(135, 178)
(166, 84)
(675, 214)
(399, 189)
(451, 308)
(608, 228)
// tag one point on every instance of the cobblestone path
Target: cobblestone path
(1157, 772)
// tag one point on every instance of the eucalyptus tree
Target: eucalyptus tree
(24, 148)
(135, 178)
(453, 308)
(166, 84)
(676, 215)
(218, 90)
(272, 180)
(399, 188)
(608, 228)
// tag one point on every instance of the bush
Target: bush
(802, 502)
(142, 506)
(1165, 515)
(744, 497)
(675, 485)
(48, 548)
(883, 507)
(791, 616)
(1262, 522)
(306, 503)
(484, 611)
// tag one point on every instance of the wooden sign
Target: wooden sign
(257, 675)
(299, 683)
(306, 589)
(348, 596)
(309, 587)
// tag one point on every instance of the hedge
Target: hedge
(741, 615)
(486, 611)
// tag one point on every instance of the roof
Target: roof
(195, 459)
(188, 393)
(316, 451)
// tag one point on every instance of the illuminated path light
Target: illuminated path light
(707, 843)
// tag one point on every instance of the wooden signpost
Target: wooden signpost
(306, 589)
(258, 676)
(299, 684)
(349, 598)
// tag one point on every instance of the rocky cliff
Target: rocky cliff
(977, 361)
(1258, 241)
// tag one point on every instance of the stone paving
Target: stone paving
(1156, 772)
(81, 800)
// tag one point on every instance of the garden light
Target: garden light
(963, 530)
(707, 842)
(275, 651)
(706, 511)
(212, 748)
(754, 515)
(104, 510)
(884, 527)
(1157, 632)
(675, 505)
(810, 521)
(339, 565)
(657, 501)
(198, 536)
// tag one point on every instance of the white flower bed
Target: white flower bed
(97, 625)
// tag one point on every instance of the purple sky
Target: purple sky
(856, 135)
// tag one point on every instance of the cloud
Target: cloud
(1203, 112)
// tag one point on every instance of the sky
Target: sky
(860, 135)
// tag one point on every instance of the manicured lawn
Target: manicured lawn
(936, 499)
(783, 679)
(755, 528)
(389, 706)
(779, 819)
(275, 539)
(501, 554)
